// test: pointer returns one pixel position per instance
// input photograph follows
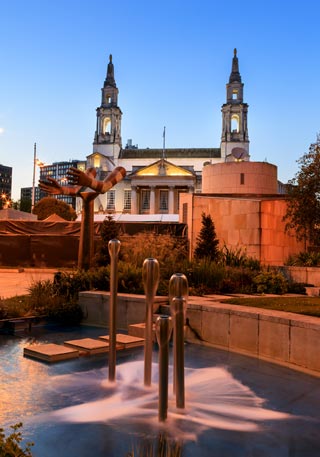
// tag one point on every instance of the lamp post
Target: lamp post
(35, 163)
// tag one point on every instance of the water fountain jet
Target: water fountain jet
(150, 278)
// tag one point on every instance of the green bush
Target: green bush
(10, 445)
(304, 259)
(238, 257)
(270, 282)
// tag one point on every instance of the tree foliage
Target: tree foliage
(48, 205)
(207, 243)
(303, 209)
(109, 231)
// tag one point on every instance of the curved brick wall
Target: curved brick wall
(240, 178)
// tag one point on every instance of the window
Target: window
(163, 204)
(109, 99)
(127, 200)
(241, 178)
(111, 200)
(145, 200)
(234, 94)
(235, 123)
(107, 125)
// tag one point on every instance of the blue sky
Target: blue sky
(172, 61)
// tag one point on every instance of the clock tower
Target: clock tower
(234, 138)
(107, 138)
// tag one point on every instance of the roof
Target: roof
(162, 168)
(135, 153)
(124, 217)
(10, 213)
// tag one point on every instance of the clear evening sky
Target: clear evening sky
(172, 61)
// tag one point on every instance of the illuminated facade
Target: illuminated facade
(156, 177)
(5, 185)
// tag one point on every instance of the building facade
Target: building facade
(157, 177)
(5, 185)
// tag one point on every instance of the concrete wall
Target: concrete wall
(306, 275)
(240, 178)
(255, 224)
(280, 337)
(131, 309)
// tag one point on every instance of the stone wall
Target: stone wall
(285, 338)
(240, 178)
(255, 224)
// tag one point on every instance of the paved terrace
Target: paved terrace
(17, 282)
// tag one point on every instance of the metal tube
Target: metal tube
(114, 248)
(150, 278)
(163, 333)
(179, 304)
(178, 287)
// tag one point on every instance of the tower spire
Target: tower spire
(110, 81)
(235, 74)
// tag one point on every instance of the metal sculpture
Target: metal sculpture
(114, 248)
(80, 181)
(178, 295)
(150, 278)
(163, 334)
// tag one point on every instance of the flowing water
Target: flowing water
(214, 399)
(235, 406)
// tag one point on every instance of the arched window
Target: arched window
(107, 125)
(235, 94)
(235, 123)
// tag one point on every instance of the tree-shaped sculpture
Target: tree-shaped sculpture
(80, 181)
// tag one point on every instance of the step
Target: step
(50, 352)
(88, 346)
(125, 341)
(138, 330)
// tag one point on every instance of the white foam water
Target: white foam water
(214, 399)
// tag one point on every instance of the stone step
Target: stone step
(50, 352)
(313, 291)
(138, 330)
(125, 341)
(88, 346)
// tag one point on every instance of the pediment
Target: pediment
(162, 168)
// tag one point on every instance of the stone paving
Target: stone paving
(15, 281)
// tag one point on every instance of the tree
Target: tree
(109, 231)
(207, 242)
(48, 205)
(303, 209)
(25, 205)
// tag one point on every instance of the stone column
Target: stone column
(152, 200)
(171, 200)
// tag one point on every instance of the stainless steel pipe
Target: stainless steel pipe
(114, 248)
(150, 278)
(178, 295)
(179, 304)
(163, 334)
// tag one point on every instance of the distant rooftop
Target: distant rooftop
(135, 153)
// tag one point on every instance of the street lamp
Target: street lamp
(35, 163)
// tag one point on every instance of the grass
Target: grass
(309, 306)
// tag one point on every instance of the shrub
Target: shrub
(270, 282)
(49, 205)
(109, 230)
(207, 244)
(204, 276)
(304, 259)
(237, 257)
(10, 445)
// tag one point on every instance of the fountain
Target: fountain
(76, 409)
